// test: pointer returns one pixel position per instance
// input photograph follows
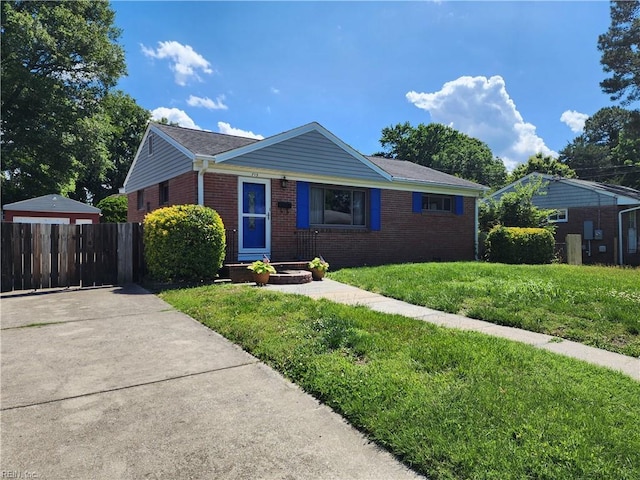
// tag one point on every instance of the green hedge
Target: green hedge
(184, 242)
(519, 245)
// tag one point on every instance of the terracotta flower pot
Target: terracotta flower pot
(261, 278)
(317, 273)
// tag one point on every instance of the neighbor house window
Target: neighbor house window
(561, 215)
(140, 199)
(337, 206)
(437, 203)
(164, 193)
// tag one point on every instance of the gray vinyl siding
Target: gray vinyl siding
(563, 195)
(310, 153)
(164, 163)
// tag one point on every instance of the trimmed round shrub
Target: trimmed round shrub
(184, 243)
(519, 245)
(113, 209)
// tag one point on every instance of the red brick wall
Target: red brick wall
(405, 236)
(183, 190)
(604, 218)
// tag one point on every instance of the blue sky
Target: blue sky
(521, 76)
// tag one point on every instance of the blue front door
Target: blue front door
(254, 208)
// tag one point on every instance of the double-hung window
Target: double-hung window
(140, 199)
(338, 206)
(437, 203)
(164, 193)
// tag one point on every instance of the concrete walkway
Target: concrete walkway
(113, 383)
(339, 292)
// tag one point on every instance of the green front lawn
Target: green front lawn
(598, 306)
(449, 403)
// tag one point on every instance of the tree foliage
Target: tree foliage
(620, 47)
(443, 148)
(542, 164)
(608, 150)
(60, 60)
(516, 208)
(113, 209)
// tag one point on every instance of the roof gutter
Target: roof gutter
(201, 172)
(479, 188)
(620, 242)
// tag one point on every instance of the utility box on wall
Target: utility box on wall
(588, 230)
(597, 234)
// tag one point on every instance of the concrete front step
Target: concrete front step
(289, 273)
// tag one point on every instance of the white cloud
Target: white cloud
(174, 115)
(206, 102)
(229, 130)
(275, 90)
(185, 60)
(575, 120)
(481, 107)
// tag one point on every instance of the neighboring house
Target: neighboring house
(606, 216)
(306, 182)
(51, 209)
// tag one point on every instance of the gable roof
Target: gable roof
(403, 170)
(306, 152)
(202, 142)
(51, 203)
(624, 195)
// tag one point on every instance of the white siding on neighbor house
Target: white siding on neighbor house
(165, 162)
(562, 195)
(309, 153)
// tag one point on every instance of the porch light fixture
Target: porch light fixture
(284, 182)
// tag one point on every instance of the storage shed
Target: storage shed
(53, 209)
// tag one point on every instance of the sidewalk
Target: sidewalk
(114, 383)
(339, 292)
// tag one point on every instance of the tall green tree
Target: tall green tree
(59, 60)
(444, 148)
(620, 47)
(608, 150)
(115, 134)
(542, 164)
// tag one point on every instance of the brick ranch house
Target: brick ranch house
(306, 182)
(606, 216)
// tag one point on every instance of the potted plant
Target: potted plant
(261, 271)
(318, 267)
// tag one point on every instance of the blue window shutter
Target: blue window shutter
(374, 198)
(459, 205)
(302, 204)
(417, 202)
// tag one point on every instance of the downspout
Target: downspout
(476, 227)
(620, 243)
(201, 172)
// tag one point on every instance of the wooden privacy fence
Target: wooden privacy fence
(36, 256)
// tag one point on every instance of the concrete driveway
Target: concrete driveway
(115, 383)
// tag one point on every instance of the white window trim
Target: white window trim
(558, 212)
(437, 195)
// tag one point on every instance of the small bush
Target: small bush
(113, 209)
(184, 242)
(519, 245)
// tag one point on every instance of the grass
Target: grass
(450, 404)
(598, 306)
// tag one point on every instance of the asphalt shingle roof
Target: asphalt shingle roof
(201, 142)
(402, 169)
(51, 203)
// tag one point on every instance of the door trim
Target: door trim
(254, 253)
